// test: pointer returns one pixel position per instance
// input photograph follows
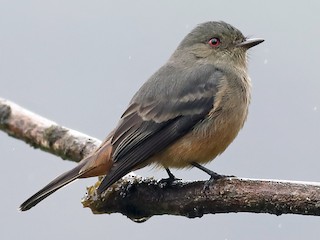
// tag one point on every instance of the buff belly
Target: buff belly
(206, 141)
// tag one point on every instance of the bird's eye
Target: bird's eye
(214, 42)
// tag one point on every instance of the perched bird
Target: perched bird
(186, 114)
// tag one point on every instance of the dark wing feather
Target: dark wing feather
(158, 115)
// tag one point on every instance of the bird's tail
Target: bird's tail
(95, 165)
(53, 186)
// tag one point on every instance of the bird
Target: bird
(185, 115)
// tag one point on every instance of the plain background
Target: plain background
(79, 62)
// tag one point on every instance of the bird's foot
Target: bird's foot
(170, 179)
(214, 177)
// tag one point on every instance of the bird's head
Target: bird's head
(216, 42)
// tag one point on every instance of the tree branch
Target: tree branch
(42, 133)
(140, 198)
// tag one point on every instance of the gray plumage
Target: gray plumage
(186, 114)
(178, 98)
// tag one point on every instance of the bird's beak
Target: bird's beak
(249, 43)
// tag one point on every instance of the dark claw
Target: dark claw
(213, 175)
(170, 179)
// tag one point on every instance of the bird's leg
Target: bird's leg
(171, 176)
(170, 179)
(213, 175)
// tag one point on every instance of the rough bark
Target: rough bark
(42, 133)
(140, 198)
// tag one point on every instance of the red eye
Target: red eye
(214, 42)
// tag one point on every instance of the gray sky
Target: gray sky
(79, 62)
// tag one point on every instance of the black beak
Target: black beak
(249, 43)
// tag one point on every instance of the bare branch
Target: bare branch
(42, 133)
(139, 199)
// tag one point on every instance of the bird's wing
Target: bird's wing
(162, 111)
